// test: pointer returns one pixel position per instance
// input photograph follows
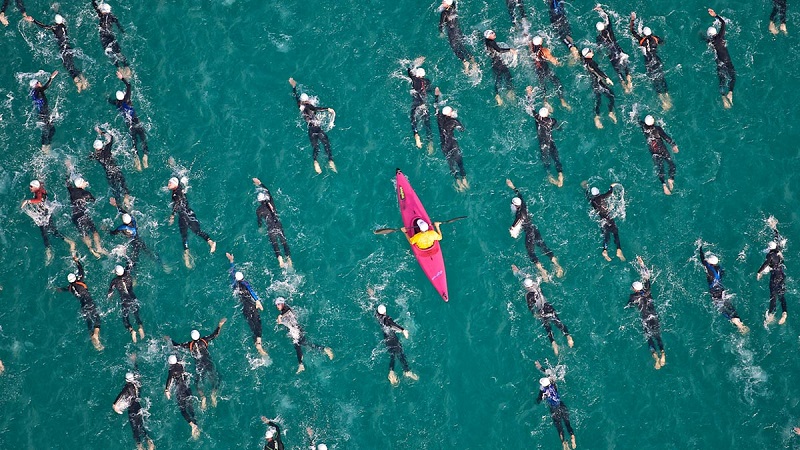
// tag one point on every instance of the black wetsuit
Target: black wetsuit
(248, 297)
(643, 301)
(558, 410)
(43, 108)
(289, 320)
(127, 111)
(714, 277)
(135, 242)
(130, 304)
(390, 329)
(130, 396)
(547, 147)
(516, 11)
(619, 59)
(21, 6)
(502, 76)
(275, 443)
(116, 181)
(558, 18)
(107, 38)
(599, 85)
(544, 72)
(448, 22)
(778, 11)
(450, 148)
(205, 373)
(653, 64)
(79, 289)
(777, 276)
(80, 199)
(183, 392)
(545, 312)
(419, 103)
(315, 132)
(266, 212)
(532, 236)
(45, 223)
(655, 142)
(186, 218)
(725, 70)
(607, 224)
(67, 56)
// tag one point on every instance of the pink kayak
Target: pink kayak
(431, 259)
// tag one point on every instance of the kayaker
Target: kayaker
(424, 237)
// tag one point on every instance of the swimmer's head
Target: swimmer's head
(71, 278)
(172, 360)
(59, 19)
(238, 276)
(381, 309)
(647, 31)
(713, 260)
(600, 26)
(120, 95)
(195, 335)
(126, 219)
(544, 112)
(119, 270)
(595, 191)
(649, 120)
(637, 286)
(97, 144)
(537, 40)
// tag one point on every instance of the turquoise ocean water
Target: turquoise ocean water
(210, 84)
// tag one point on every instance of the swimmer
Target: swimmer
(773, 263)
(656, 136)
(448, 23)
(502, 75)
(558, 18)
(719, 296)
(533, 238)
(725, 70)
(266, 213)
(103, 155)
(77, 287)
(129, 398)
(778, 12)
(186, 219)
(447, 119)
(273, 435)
(601, 85)
(80, 198)
(316, 135)
(180, 379)
(390, 329)
(655, 68)
(40, 211)
(642, 299)
(59, 30)
(287, 318)
(544, 311)
(122, 100)
(607, 40)
(558, 410)
(420, 86)
(43, 109)
(607, 223)
(542, 58)
(107, 38)
(123, 283)
(251, 304)
(205, 373)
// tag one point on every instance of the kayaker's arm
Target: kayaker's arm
(403, 229)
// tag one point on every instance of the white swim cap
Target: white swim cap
(80, 183)
(126, 218)
(97, 144)
(262, 196)
(120, 95)
(488, 33)
(270, 433)
(119, 270)
(544, 112)
(447, 110)
(35, 184)
(71, 278)
(280, 301)
(33, 83)
(420, 72)
(172, 183)
(637, 286)
(544, 382)
(595, 191)
(713, 260)
(129, 377)
(600, 26)
(381, 309)
(105, 8)
(772, 245)
(238, 276)
(528, 282)
(423, 226)
(649, 120)
(711, 32)
(322, 447)
(59, 19)
(172, 359)
(516, 201)
(195, 335)
(537, 40)
(586, 52)
(647, 31)
(303, 97)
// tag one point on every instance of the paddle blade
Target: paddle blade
(386, 230)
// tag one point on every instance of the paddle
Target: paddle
(392, 230)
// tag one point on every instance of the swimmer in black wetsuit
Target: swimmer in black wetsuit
(102, 154)
(447, 119)
(773, 263)
(288, 319)
(542, 58)
(59, 30)
(205, 373)
(642, 299)
(77, 287)
(266, 213)
(558, 18)
(273, 435)
(656, 136)
(80, 198)
(129, 398)
(122, 100)
(607, 40)
(186, 219)
(130, 230)
(558, 410)
(39, 209)
(390, 329)
(719, 296)
(516, 11)
(778, 12)
(419, 103)
(607, 224)
(655, 68)
(448, 22)
(725, 70)
(180, 379)
(547, 146)
(601, 85)
(544, 311)
(43, 109)
(21, 8)
(308, 110)
(123, 283)
(250, 303)
(107, 38)
(523, 220)
(502, 76)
